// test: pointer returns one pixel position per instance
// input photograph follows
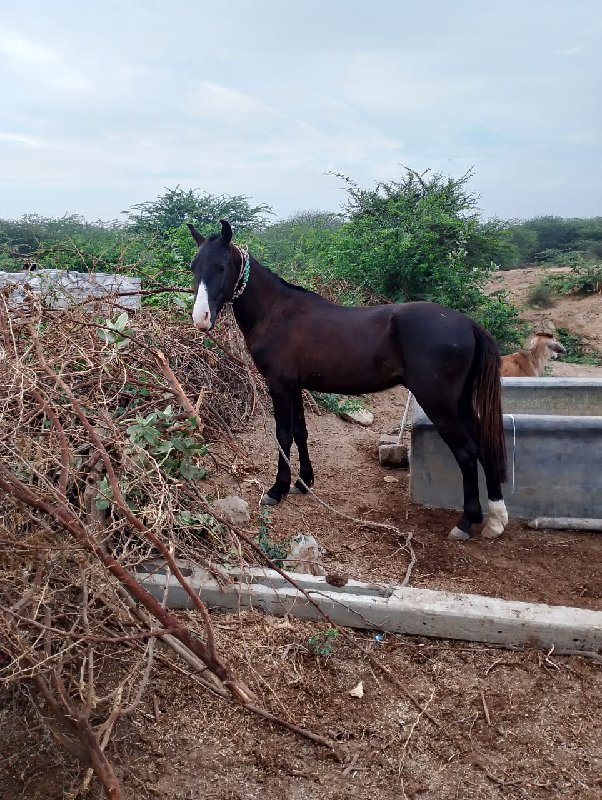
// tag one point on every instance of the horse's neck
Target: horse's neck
(256, 301)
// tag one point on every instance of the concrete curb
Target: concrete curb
(389, 608)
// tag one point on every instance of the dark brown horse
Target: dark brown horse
(299, 340)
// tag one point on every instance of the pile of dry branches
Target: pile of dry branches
(104, 424)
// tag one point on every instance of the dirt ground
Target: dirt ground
(507, 724)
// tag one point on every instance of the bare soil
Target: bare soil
(511, 725)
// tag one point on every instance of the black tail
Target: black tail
(487, 402)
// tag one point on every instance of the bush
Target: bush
(540, 294)
(418, 238)
(577, 349)
(585, 276)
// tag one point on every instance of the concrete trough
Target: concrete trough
(387, 608)
(553, 429)
(569, 397)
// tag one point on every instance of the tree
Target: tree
(176, 206)
(416, 238)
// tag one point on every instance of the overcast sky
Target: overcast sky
(105, 103)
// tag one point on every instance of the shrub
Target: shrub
(577, 349)
(585, 276)
(540, 294)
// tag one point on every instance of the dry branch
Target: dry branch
(85, 503)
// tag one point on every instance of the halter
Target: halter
(245, 270)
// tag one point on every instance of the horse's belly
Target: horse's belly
(357, 376)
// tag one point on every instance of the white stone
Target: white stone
(362, 417)
(235, 509)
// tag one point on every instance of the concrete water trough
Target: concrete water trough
(553, 429)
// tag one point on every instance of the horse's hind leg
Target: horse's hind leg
(465, 450)
(498, 515)
(282, 400)
(306, 472)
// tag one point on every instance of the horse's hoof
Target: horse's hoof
(458, 535)
(497, 520)
(296, 490)
(266, 500)
(493, 530)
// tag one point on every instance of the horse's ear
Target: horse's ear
(195, 234)
(226, 231)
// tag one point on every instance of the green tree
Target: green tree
(68, 242)
(177, 206)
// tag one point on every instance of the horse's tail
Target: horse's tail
(487, 402)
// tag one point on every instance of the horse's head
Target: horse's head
(215, 275)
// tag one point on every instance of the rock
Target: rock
(235, 509)
(305, 555)
(58, 288)
(337, 579)
(365, 418)
(393, 455)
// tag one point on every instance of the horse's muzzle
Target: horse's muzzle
(203, 325)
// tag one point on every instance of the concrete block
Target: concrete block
(392, 609)
(393, 455)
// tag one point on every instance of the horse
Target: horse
(300, 340)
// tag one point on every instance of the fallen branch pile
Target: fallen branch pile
(103, 429)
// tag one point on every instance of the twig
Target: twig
(485, 709)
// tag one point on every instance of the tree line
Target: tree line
(418, 237)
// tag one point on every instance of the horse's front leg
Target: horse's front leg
(282, 400)
(306, 472)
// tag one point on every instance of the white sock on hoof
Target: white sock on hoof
(497, 520)
(458, 535)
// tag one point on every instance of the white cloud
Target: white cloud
(21, 140)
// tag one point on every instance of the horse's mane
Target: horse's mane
(294, 286)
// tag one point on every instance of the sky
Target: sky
(106, 103)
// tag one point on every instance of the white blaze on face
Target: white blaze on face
(201, 316)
